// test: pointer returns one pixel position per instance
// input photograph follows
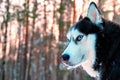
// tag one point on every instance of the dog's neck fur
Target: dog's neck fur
(107, 37)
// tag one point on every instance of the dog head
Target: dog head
(82, 38)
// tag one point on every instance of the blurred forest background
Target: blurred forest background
(33, 36)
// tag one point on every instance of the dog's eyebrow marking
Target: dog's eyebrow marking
(70, 31)
(74, 40)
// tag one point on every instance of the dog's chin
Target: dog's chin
(70, 65)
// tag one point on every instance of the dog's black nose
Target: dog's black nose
(65, 57)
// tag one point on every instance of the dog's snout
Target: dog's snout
(65, 57)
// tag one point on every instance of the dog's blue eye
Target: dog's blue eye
(79, 38)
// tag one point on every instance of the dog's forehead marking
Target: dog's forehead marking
(73, 32)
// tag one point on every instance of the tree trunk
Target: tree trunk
(74, 12)
(26, 43)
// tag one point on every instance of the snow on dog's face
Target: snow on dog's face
(82, 37)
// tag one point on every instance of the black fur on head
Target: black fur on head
(87, 27)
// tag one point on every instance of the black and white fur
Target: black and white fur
(94, 44)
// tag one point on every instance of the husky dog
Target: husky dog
(94, 44)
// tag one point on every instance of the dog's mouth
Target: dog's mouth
(71, 66)
(68, 63)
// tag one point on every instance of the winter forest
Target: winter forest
(33, 36)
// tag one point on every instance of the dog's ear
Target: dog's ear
(94, 14)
